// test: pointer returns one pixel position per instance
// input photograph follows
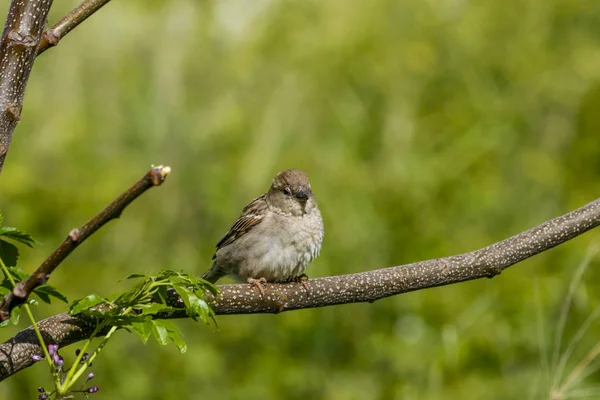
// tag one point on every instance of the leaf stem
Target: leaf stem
(75, 373)
(30, 316)
(69, 381)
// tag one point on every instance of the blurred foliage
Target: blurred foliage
(428, 128)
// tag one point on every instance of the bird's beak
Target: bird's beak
(302, 195)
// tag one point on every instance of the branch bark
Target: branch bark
(18, 47)
(16, 354)
(53, 35)
(155, 177)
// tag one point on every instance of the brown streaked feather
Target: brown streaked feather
(251, 216)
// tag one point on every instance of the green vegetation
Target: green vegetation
(427, 129)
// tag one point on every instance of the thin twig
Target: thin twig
(18, 48)
(22, 290)
(62, 329)
(53, 35)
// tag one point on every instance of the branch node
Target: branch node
(52, 36)
(494, 271)
(74, 235)
(20, 40)
(14, 111)
(42, 279)
(19, 292)
(281, 303)
(159, 174)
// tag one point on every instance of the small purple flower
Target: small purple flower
(41, 390)
(85, 356)
(77, 352)
(43, 396)
(90, 376)
(93, 389)
(36, 358)
(55, 358)
(52, 349)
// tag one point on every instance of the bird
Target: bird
(276, 236)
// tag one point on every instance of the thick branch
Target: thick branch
(16, 353)
(40, 276)
(53, 35)
(18, 47)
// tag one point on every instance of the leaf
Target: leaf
(135, 276)
(15, 314)
(9, 253)
(18, 274)
(177, 338)
(143, 329)
(169, 332)
(44, 297)
(81, 305)
(45, 291)
(185, 295)
(160, 332)
(17, 235)
(154, 308)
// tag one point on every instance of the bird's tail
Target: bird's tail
(213, 274)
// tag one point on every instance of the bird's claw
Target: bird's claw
(258, 283)
(302, 279)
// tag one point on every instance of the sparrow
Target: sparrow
(277, 235)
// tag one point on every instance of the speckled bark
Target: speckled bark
(18, 48)
(61, 329)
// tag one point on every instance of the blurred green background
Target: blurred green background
(428, 128)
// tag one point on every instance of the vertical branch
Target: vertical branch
(18, 48)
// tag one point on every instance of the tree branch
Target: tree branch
(53, 35)
(16, 354)
(155, 177)
(18, 47)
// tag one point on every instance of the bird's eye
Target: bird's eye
(287, 191)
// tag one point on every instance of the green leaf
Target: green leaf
(153, 309)
(160, 332)
(9, 253)
(81, 305)
(15, 314)
(136, 276)
(44, 297)
(185, 295)
(44, 292)
(143, 329)
(18, 274)
(17, 235)
(177, 338)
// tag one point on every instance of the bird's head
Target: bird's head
(291, 193)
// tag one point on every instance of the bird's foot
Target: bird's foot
(302, 279)
(258, 283)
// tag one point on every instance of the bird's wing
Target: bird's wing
(251, 216)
